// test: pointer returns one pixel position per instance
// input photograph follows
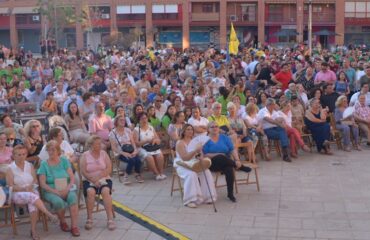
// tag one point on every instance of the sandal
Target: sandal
(75, 231)
(88, 224)
(35, 236)
(111, 225)
(64, 227)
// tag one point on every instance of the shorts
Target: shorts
(86, 185)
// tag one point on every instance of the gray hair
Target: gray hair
(270, 101)
(216, 104)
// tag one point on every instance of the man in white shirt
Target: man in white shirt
(198, 122)
(365, 91)
(274, 130)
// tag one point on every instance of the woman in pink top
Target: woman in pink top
(96, 168)
(100, 124)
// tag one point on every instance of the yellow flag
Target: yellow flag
(234, 42)
(151, 55)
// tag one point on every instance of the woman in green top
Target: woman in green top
(57, 183)
(168, 116)
(153, 120)
(223, 99)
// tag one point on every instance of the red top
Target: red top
(284, 78)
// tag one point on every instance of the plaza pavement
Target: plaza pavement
(314, 197)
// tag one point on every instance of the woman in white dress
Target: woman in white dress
(21, 176)
(144, 135)
(195, 186)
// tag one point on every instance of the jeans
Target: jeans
(277, 133)
(134, 162)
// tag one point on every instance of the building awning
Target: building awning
(24, 10)
(4, 10)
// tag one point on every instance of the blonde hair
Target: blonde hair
(250, 107)
(90, 141)
(115, 122)
(53, 143)
(28, 126)
(340, 100)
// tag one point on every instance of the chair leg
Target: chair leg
(44, 220)
(257, 181)
(180, 187)
(172, 183)
(236, 184)
(12, 220)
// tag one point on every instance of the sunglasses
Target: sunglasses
(35, 126)
(213, 126)
(11, 139)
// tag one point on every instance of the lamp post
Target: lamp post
(310, 26)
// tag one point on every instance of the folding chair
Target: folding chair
(179, 188)
(336, 134)
(253, 165)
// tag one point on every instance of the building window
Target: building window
(207, 7)
(357, 9)
(21, 19)
(249, 12)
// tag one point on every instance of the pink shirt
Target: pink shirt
(6, 156)
(101, 126)
(327, 77)
(96, 166)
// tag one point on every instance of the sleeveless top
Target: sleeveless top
(22, 177)
(95, 166)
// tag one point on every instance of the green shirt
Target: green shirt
(18, 72)
(243, 99)
(58, 72)
(90, 71)
(155, 122)
(110, 113)
(223, 102)
(53, 172)
(166, 121)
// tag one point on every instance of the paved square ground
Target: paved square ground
(314, 197)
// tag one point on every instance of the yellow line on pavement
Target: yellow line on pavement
(169, 232)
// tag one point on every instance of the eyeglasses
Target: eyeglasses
(214, 126)
(35, 126)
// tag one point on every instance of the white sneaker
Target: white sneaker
(158, 178)
(191, 205)
(126, 180)
(163, 177)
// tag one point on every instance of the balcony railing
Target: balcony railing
(321, 18)
(205, 17)
(281, 18)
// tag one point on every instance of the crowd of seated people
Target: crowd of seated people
(124, 105)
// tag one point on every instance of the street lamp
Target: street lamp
(310, 26)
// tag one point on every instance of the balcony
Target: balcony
(280, 18)
(321, 19)
(205, 17)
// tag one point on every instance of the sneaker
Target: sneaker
(158, 177)
(139, 179)
(191, 205)
(163, 177)
(126, 180)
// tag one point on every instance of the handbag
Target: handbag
(150, 147)
(128, 148)
(195, 164)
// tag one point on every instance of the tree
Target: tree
(59, 17)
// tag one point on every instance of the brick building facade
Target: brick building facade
(184, 23)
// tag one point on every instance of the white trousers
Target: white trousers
(195, 186)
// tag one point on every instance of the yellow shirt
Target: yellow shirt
(220, 121)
